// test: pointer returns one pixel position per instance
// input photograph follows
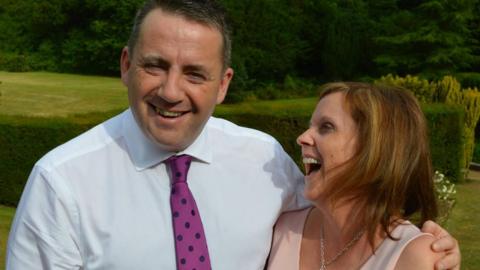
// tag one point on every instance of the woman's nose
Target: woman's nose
(305, 138)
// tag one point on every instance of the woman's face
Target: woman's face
(328, 143)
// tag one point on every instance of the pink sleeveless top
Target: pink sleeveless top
(287, 239)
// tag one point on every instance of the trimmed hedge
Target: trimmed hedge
(24, 140)
(446, 90)
(446, 133)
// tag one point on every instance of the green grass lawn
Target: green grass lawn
(43, 94)
(284, 107)
(6, 216)
(464, 223)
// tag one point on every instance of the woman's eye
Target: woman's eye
(326, 127)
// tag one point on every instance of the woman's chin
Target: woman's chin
(312, 194)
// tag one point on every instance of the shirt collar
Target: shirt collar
(145, 153)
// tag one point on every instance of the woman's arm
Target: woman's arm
(418, 255)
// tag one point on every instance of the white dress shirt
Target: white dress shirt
(101, 201)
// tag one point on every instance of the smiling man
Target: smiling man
(175, 76)
(119, 196)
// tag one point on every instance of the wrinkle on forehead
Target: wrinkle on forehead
(181, 37)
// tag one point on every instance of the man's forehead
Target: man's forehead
(159, 13)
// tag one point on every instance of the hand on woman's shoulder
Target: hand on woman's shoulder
(418, 254)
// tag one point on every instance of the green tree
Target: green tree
(265, 38)
(338, 35)
(429, 37)
(94, 44)
(68, 35)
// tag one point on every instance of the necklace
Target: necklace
(324, 261)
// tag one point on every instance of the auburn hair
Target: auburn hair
(390, 174)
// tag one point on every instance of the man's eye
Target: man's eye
(195, 77)
(152, 68)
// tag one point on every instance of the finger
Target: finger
(435, 229)
(446, 243)
(450, 261)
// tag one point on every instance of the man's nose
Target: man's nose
(171, 89)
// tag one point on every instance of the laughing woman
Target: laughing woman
(368, 169)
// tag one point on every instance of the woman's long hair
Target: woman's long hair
(390, 175)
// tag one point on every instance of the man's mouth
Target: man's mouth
(167, 114)
(311, 165)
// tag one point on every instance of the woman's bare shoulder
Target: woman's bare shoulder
(418, 254)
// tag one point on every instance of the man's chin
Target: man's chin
(170, 146)
(170, 143)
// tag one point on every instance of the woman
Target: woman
(368, 170)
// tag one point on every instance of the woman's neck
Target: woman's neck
(343, 219)
(342, 231)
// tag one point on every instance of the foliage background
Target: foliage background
(282, 49)
(275, 41)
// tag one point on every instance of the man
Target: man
(104, 200)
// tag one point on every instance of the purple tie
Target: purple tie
(190, 243)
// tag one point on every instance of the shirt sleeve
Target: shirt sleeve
(42, 234)
(293, 181)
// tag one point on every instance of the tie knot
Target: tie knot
(179, 166)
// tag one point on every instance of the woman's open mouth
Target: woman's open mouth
(311, 165)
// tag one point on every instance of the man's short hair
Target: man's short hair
(207, 12)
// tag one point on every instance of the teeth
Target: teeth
(310, 161)
(167, 113)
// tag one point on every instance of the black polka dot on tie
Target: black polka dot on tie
(183, 261)
(178, 174)
(202, 259)
(176, 214)
(190, 248)
(197, 235)
(184, 201)
(173, 190)
(187, 225)
(193, 212)
(179, 237)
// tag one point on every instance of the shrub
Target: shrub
(13, 62)
(292, 87)
(469, 79)
(445, 191)
(476, 153)
(421, 88)
(449, 91)
(24, 140)
(470, 99)
(445, 125)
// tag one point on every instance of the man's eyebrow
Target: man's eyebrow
(154, 59)
(195, 68)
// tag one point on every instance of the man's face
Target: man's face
(174, 78)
